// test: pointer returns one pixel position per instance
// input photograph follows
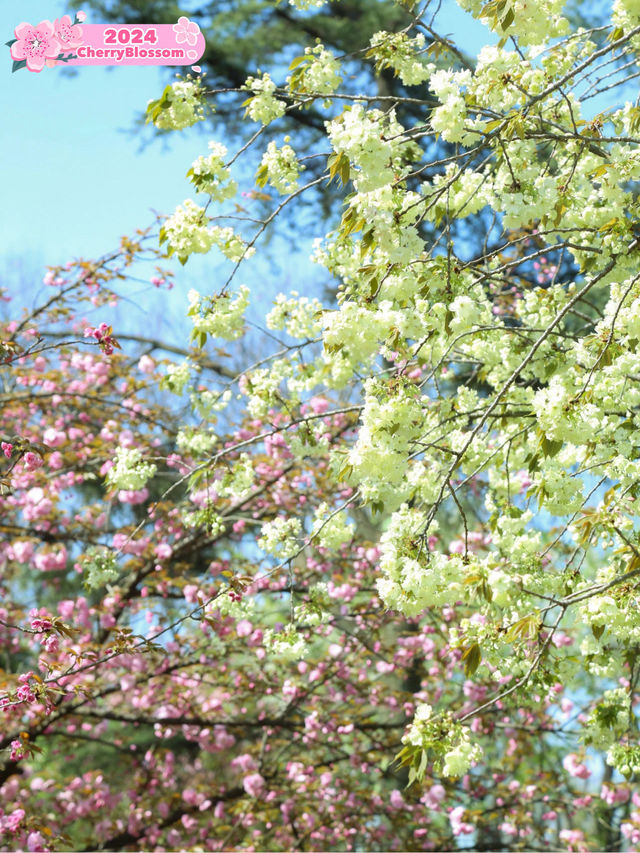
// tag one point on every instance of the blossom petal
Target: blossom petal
(53, 49)
(17, 50)
(46, 28)
(23, 30)
(35, 63)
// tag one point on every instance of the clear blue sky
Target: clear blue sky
(74, 179)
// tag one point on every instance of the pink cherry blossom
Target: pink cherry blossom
(133, 496)
(253, 784)
(52, 561)
(81, 16)
(433, 797)
(244, 628)
(54, 437)
(69, 35)
(12, 821)
(244, 762)
(35, 44)
(612, 796)
(186, 31)
(32, 461)
(36, 842)
(22, 551)
(146, 364)
(574, 767)
(573, 838)
(396, 799)
(458, 826)
(630, 832)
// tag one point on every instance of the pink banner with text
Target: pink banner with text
(72, 42)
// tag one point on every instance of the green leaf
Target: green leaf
(345, 171)
(492, 125)
(262, 176)
(338, 164)
(525, 628)
(18, 64)
(597, 631)
(609, 225)
(422, 767)
(507, 20)
(560, 209)
(550, 448)
(298, 60)
(472, 658)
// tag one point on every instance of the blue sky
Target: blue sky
(75, 178)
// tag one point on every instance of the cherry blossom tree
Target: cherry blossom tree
(376, 585)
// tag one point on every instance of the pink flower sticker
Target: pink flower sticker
(69, 35)
(186, 31)
(35, 45)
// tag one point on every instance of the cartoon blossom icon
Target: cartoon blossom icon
(186, 30)
(34, 45)
(69, 35)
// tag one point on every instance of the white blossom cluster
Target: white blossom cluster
(287, 645)
(330, 528)
(402, 54)
(281, 537)
(316, 611)
(238, 482)
(608, 720)
(415, 578)
(263, 385)
(177, 377)
(129, 470)
(208, 403)
(196, 442)
(300, 316)
(451, 743)
(626, 14)
(184, 106)
(281, 167)
(220, 316)
(187, 230)
(531, 23)
(210, 175)
(374, 143)
(318, 72)
(263, 106)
